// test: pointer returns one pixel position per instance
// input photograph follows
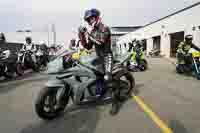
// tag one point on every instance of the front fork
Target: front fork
(63, 92)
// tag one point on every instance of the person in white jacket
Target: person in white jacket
(29, 46)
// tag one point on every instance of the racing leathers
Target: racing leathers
(30, 47)
(182, 52)
(100, 37)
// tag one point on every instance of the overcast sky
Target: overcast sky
(67, 15)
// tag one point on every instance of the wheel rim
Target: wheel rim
(20, 69)
(50, 104)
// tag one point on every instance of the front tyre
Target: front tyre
(47, 106)
(126, 86)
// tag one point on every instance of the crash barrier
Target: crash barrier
(11, 46)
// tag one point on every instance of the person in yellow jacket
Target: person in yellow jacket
(184, 47)
(184, 60)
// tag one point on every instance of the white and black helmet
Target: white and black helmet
(188, 37)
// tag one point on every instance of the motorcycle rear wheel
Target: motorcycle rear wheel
(9, 75)
(19, 69)
(36, 67)
(198, 76)
(143, 65)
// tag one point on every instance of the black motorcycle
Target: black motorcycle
(25, 60)
(80, 84)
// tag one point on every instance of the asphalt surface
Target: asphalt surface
(174, 98)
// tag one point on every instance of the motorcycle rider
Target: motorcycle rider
(183, 57)
(29, 46)
(100, 37)
(138, 49)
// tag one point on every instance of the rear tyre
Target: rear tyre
(198, 76)
(47, 107)
(179, 69)
(36, 67)
(19, 69)
(142, 65)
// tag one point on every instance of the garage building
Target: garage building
(166, 33)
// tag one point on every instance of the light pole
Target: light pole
(54, 34)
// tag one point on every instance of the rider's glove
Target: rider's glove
(82, 29)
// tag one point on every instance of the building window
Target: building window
(193, 28)
(199, 27)
(163, 26)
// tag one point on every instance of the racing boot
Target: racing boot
(115, 104)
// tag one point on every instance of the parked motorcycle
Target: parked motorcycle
(26, 61)
(80, 83)
(8, 65)
(191, 64)
(154, 53)
(137, 62)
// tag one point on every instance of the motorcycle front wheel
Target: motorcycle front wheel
(48, 106)
(143, 65)
(126, 86)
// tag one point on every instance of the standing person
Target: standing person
(139, 50)
(100, 37)
(44, 50)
